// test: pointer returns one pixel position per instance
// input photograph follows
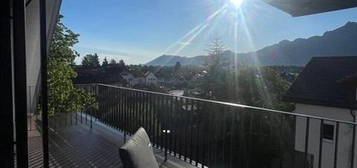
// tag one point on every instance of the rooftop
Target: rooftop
(320, 84)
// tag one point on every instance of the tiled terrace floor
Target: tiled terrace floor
(77, 146)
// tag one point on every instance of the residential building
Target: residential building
(150, 79)
(129, 78)
(327, 92)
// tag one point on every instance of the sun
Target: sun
(237, 3)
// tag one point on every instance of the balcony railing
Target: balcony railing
(210, 133)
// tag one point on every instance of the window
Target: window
(328, 131)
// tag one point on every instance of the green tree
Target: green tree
(177, 67)
(105, 62)
(63, 97)
(90, 61)
(212, 83)
(112, 62)
(121, 63)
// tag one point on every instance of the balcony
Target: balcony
(195, 132)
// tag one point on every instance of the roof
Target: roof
(307, 7)
(320, 82)
(96, 75)
(148, 73)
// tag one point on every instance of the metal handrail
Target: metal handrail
(234, 105)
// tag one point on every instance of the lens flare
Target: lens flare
(237, 3)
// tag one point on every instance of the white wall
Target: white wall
(130, 79)
(344, 138)
(33, 54)
(151, 79)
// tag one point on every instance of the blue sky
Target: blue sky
(137, 31)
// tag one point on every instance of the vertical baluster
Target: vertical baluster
(147, 112)
(197, 134)
(117, 109)
(127, 111)
(336, 145)
(130, 106)
(121, 104)
(231, 139)
(165, 118)
(307, 132)
(157, 126)
(125, 121)
(98, 101)
(106, 98)
(353, 144)
(321, 143)
(209, 135)
(142, 110)
(175, 127)
(104, 104)
(159, 117)
(152, 121)
(115, 106)
(182, 124)
(171, 123)
(222, 130)
(112, 107)
(135, 110)
(215, 145)
(191, 130)
(122, 121)
(205, 133)
(186, 128)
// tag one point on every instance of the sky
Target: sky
(138, 31)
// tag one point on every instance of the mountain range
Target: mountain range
(339, 42)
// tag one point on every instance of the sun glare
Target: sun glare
(237, 3)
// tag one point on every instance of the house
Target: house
(150, 78)
(328, 92)
(129, 78)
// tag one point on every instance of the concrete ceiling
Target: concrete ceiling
(308, 7)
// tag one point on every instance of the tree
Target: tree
(177, 67)
(105, 62)
(211, 83)
(113, 62)
(63, 97)
(90, 61)
(215, 54)
(121, 63)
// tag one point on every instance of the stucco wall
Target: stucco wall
(328, 146)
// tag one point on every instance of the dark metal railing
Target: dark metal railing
(208, 133)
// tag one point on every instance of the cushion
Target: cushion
(137, 151)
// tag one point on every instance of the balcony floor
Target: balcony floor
(77, 145)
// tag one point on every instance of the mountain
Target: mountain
(339, 42)
(170, 60)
